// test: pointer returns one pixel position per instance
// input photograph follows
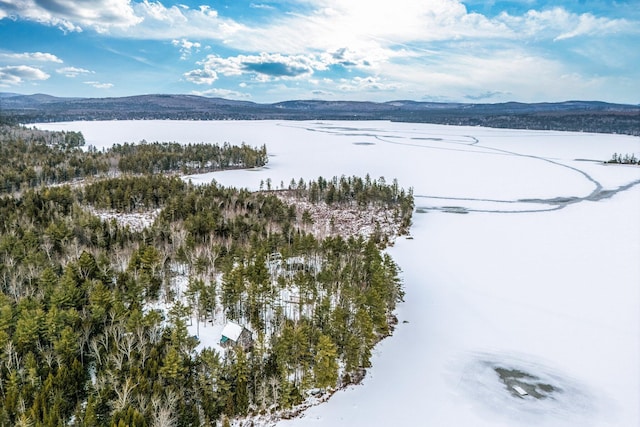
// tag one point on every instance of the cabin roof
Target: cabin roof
(231, 331)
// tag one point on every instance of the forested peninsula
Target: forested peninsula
(97, 315)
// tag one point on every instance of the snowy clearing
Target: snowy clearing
(535, 287)
(136, 221)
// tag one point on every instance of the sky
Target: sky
(472, 51)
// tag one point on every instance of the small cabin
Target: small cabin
(522, 392)
(236, 335)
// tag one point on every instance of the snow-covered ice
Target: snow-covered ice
(540, 277)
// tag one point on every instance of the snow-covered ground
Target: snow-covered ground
(540, 279)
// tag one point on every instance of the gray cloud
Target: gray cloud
(103, 12)
(484, 95)
(71, 15)
(277, 69)
(319, 92)
(224, 93)
(200, 77)
(262, 67)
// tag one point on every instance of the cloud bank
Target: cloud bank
(449, 49)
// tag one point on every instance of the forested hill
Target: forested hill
(116, 281)
(583, 116)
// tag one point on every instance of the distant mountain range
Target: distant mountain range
(588, 116)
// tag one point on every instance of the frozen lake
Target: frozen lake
(523, 273)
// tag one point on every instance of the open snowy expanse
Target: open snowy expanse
(522, 278)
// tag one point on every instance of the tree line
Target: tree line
(159, 157)
(627, 159)
(582, 117)
(33, 157)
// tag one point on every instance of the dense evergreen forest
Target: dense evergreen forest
(32, 158)
(95, 315)
(192, 158)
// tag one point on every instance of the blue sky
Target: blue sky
(269, 51)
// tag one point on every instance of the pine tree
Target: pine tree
(172, 368)
(325, 369)
(241, 374)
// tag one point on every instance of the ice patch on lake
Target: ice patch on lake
(495, 383)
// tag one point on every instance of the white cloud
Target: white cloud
(17, 74)
(186, 47)
(588, 24)
(366, 84)
(369, 29)
(73, 71)
(469, 71)
(99, 85)
(32, 56)
(366, 26)
(158, 22)
(381, 33)
(261, 6)
(559, 24)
